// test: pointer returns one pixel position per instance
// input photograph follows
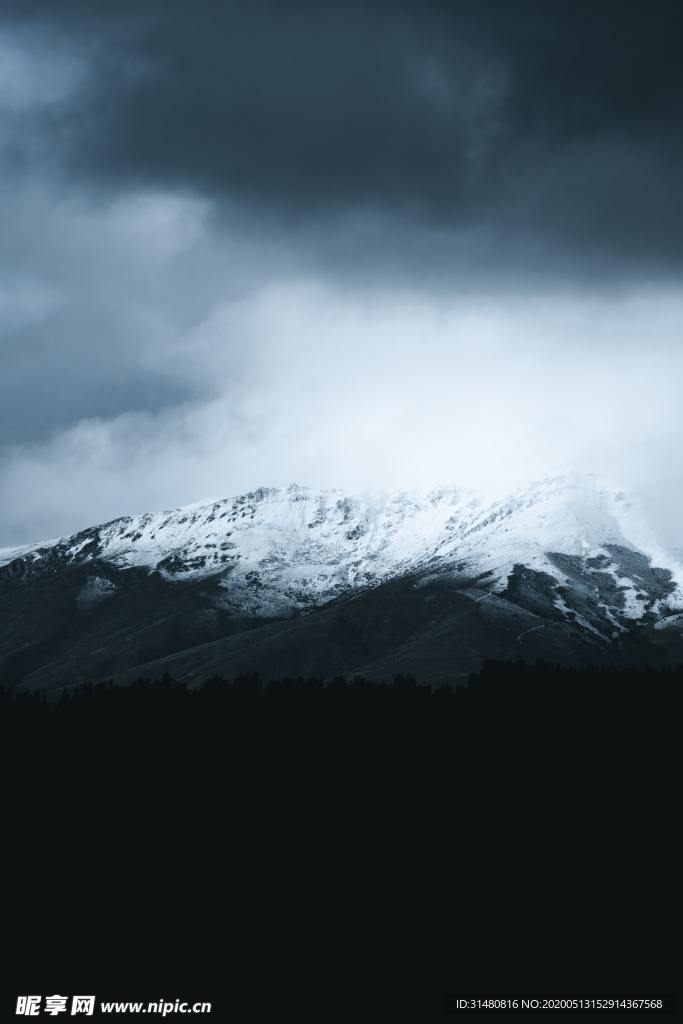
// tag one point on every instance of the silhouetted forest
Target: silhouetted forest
(513, 687)
(300, 846)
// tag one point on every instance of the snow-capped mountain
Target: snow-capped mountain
(278, 550)
(571, 552)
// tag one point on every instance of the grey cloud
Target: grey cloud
(384, 391)
(348, 244)
(550, 127)
(104, 305)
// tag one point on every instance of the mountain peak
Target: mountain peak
(564, 568)
(278, 549)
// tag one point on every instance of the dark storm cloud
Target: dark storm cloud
(532, 131)
(63, 369)
(349, 244)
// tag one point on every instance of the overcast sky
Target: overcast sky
(371, 245)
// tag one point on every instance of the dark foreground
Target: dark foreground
(303, 852)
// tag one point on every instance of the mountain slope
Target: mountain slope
(299, 580)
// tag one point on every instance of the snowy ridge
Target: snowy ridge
(274, 551)
(8, 555)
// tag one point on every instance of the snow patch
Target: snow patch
(274, 551)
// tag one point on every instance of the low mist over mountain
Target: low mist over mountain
(300, 581)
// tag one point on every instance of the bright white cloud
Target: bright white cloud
(334, 388)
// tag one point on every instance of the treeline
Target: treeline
(511, 714)
(507, 712)
(498, 684)
(313, 846)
